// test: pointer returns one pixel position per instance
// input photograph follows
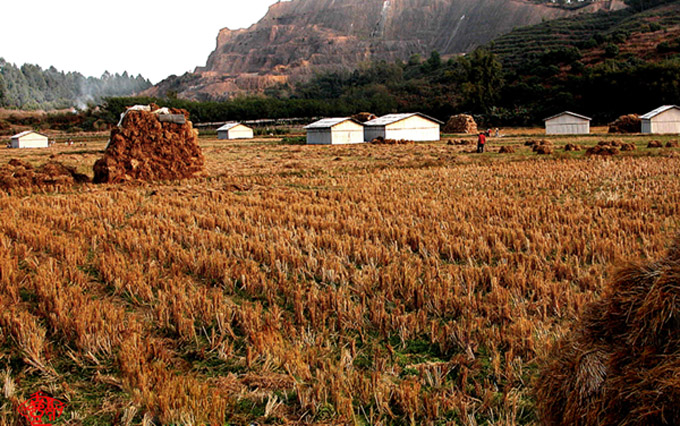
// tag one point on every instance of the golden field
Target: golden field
(372, 284)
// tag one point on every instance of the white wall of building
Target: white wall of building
(567, 125)
(666, 122)
(415, 128)
(237, 132)
(347, 132)
(32, 140)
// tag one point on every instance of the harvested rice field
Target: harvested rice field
(292, 284)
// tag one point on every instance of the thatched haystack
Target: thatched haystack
(620, 364)
(543, 149)
(606, 150)
(461, 123)
(630, 123)
(151, 144)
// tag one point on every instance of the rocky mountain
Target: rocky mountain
(300, 37)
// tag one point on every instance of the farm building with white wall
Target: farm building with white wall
(665, 119)
(335, 131)
(29, 139)
(234, 131)
(567, 123)
(410, 126)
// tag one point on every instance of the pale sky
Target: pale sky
(155, 39)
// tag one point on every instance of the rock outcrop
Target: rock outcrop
(299, 37)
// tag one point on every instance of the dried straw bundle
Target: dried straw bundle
(621, 364)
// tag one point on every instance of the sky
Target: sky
(155, 39)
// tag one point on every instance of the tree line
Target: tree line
(31, 87)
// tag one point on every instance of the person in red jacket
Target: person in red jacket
(481, 141)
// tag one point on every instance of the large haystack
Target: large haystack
(461, 123)
(621, 363)
(151, 144)
(630, 123)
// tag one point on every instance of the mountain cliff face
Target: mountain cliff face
(299, 37)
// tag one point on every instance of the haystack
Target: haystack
(19, 174)
(654, 144)
(672, 144)
(461, 123)
(572, 147)
(630, 123)
(602, 150)
(382, 141)
(151, 144)
(620, 364)
(543, 149)
(363, 117)
(507, 149)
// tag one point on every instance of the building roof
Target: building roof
(327, 123)
(229, 126)
(573, 114)
(658, 111)
(27, 132)
(393, 118)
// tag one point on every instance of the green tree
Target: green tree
(483, 80)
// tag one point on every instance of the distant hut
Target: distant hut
(234, 131)
(335, 131)
(29, 139)
(410, 126)
(665, 119)
(567, 123)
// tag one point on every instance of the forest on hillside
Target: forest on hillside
(31, 87)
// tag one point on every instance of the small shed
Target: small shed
(335, 131)
(29, 139)
(234, 131)
(567, 123)
(665, 119)
(409, 126)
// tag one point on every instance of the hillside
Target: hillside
(633, 32)
(299, 38)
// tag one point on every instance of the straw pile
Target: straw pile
(543, 149)
(572, 147)
(461, 142)
(654, 144)
(363, 117)
(461, 123)
(605, 150)
(507, 149)
(19, 174)
(672, 144)
(630, 123)
(619, 365)
(151, 145)
(382, 141)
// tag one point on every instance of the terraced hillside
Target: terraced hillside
(633, 32)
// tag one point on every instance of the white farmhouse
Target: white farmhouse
(234, 131)
(335, 131)
(567, 123)
(665, 119)
(29, 139)
(411, 126)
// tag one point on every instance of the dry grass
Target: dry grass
(369, 284)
